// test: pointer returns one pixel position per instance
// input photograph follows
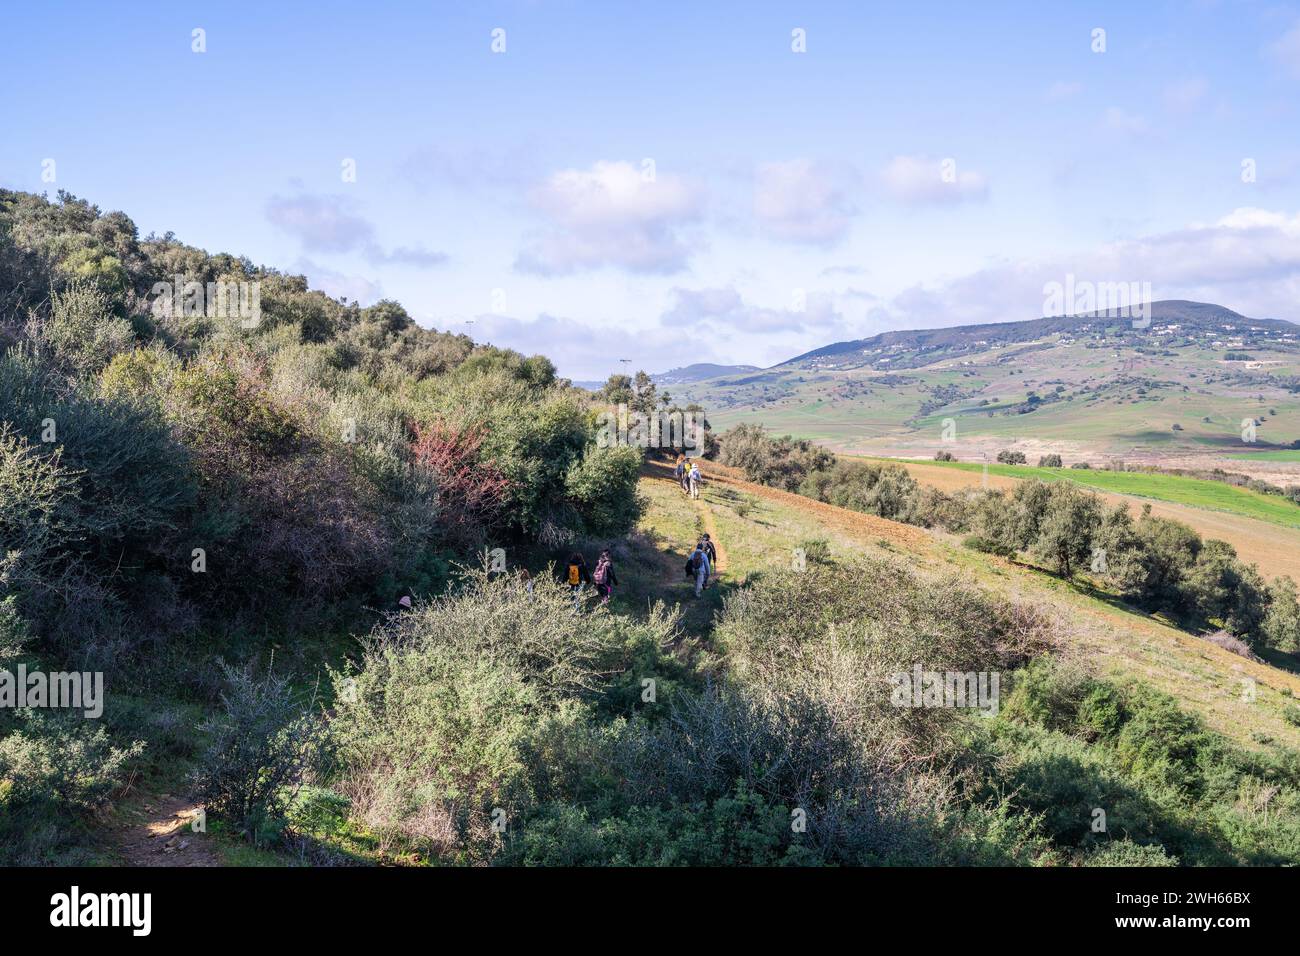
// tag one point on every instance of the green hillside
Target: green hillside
(1095, 387)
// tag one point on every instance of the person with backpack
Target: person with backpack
(685, 477)
(695, 479)
(605, 578)
(680, 471)
(697, 566)
(578, 575)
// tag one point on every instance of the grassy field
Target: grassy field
(1286, 454)
(1196, 492)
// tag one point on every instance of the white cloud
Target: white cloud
(918, 180)
(725, 310)
(802, 201)
(321, 223)
(416, 256)
(1286, 50)
(1185, 95)
(1247, 260)
(1124, 122)
(611, 215)
(591, 353)
(327, 224)
(338, 284)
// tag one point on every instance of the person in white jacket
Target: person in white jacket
(700, 561)
(695, 480)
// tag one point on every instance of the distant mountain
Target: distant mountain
(699, 372)
(912, 349)
(1181, 383)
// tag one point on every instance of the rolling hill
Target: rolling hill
(1088, 387)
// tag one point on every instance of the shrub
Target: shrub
(1008, 457)
(81, 331)
(1049, 461)
(471, 492)
(977, 542)
(262, 743)
(780, 462)
(602, 488)
(1232, 645)
(817, 550)
(53, 771)
(1281, 627)
(469, 704)
(944, 456)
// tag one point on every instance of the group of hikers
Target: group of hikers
(700, 566)
(604, 579)
(688, 475)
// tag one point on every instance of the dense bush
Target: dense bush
(780, 462)
(1076, 744)
(54, 771)
(262, 743)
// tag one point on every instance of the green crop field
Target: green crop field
(1195, 492)
(1286, 454)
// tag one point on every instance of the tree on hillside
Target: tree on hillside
(617, 390)
(1226, 590)
(1067, 528)
(644, 398)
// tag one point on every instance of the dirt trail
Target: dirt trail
(711, 529)
(157, 831)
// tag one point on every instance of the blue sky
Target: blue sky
(672, 182)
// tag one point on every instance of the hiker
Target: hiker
(578, 575)
(696, 478)
(605, 578)
(680, 471)
(710, 552)
(685, 477)
(697, 566)
(526, 579)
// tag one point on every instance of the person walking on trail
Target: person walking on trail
(710, 552)
(697, 566)
(578, 575)
(605, 578)
(696, 478)
(685, 477)
(680, 471)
